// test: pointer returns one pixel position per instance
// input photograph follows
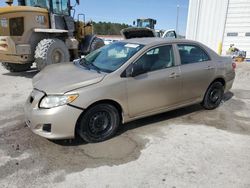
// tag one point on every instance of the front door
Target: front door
(158, 85)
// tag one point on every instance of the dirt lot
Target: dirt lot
(189, 147)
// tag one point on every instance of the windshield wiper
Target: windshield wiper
(86, 64)
(98, 70)
(83, 62)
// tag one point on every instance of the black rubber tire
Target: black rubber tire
(13, 67)
(45, 51)
(213, 96)
(85, 127)
(96, 44)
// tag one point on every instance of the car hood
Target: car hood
(64, 77)
(137, 32)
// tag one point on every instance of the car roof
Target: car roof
(156, 40)
(149, 42)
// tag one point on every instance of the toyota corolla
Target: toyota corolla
(124, 81)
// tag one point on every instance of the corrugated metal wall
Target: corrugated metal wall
(238, 22)
(206, 21)
(215, 21)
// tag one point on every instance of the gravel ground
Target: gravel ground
(189, 147)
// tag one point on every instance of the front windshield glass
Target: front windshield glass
(109, 58)
(37, 3)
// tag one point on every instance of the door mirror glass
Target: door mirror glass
(137, 69)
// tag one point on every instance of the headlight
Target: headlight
(52, 101)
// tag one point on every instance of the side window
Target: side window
(156, 59)
(60, 7)
(192, 54)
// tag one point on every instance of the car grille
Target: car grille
(16, 26)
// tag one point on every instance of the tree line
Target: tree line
(108, 28)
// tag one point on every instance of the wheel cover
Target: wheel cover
(100, 124)
(215, 95)
(57, 56)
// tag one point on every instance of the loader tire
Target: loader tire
(13, 67)
(51, 51)
(96, 44)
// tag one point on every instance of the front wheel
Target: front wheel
(51, 51)
(213, 96)
(99, 123)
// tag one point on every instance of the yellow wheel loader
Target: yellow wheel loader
(44, 32)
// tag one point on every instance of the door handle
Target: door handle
(209, 68)
(174, 75)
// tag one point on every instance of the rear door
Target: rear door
(197, 71)
(159, 86)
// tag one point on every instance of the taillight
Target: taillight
(234, 66)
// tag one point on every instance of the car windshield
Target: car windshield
(109, 58)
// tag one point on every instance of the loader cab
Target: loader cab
(59, 12)
(60, 7)
(149, 23)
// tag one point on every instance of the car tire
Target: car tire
(99, 123)
(51, 51)
(12, 67)
(213, 96)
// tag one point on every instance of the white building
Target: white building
(215, 22)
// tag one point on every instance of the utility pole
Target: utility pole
(177, 19)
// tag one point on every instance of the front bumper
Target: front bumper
(62, 119)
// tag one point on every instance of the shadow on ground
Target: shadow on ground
(27, 74)
(147, 121)
(70, 156)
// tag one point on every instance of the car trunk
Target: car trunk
(137, 32)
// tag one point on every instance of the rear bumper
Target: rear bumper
(229, 85)
(19, 59)
(229, 81)
(12, 53)
(62, 120)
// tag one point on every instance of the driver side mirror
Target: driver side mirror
(137, 69)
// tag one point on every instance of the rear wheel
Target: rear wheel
(99, 123)
(213, 96)
(51, 51)
(13, 67)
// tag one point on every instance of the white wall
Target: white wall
(209, 21)
(238, 20)
(206, 21)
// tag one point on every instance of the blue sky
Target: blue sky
(126, 11)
